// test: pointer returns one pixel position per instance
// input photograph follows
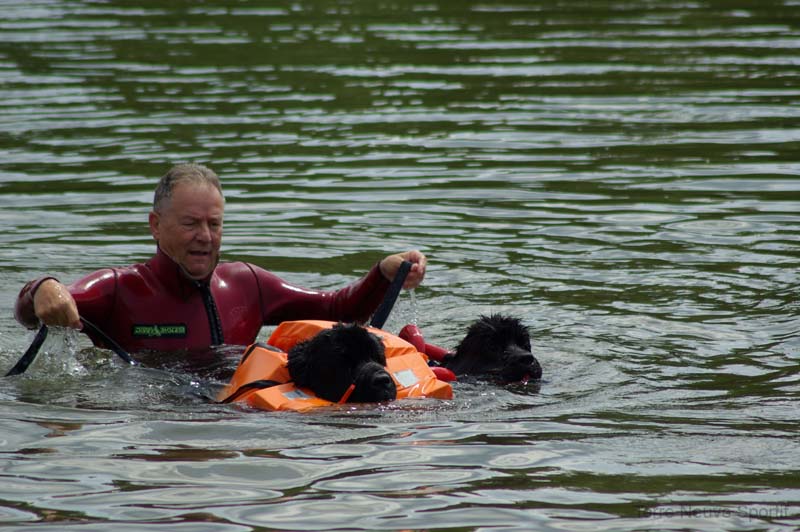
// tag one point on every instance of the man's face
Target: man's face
(189, 228)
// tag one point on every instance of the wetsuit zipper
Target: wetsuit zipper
(214, 323)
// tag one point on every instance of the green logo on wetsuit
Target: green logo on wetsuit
(169, 330)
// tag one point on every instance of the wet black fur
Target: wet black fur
(335, 358)
(496, 347)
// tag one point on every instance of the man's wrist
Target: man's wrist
(39, 282)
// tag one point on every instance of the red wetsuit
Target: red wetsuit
(154, 306)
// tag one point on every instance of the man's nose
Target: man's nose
(203, 232)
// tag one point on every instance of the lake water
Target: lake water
(623, 176)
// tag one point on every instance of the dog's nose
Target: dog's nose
(383, 384)
(373, 384)
(536, 370)
(522, 363)
(381, 380)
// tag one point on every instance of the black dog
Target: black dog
(497, 347)
(336, 358)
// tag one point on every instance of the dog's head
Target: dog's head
(336, 358)
(497, 347)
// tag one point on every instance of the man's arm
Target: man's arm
(45, 300)
(281, 301)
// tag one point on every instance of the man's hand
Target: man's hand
(391, 264)
(54, 305)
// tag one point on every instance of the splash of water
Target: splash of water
(59, 353)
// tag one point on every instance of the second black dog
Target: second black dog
(344, 355)
(497, 347)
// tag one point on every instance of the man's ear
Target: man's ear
(154, 220)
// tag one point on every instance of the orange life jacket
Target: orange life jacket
(262, 379)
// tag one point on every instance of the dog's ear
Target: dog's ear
(358, 344)
(378, 351)
(305, 361)
(511, 329)
(299, 363)
(503, 329)
(473, 354)
(319, 364)
(482, 340)
(337, 357)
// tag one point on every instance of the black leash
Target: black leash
(385, 308)
(114, 346)
(30, 354)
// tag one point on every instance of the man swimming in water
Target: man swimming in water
(184, 297)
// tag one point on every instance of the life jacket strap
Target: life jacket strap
(255, 385)
(347, 393)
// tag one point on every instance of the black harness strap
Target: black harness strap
(114, 346)
(385, 308)
(255, 385)
(30, 354)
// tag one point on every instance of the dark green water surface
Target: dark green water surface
(623, 176)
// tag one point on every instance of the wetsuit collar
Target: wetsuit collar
(173, 276)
